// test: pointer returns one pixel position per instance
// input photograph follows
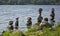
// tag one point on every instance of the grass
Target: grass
(14, 33)
(34, 32)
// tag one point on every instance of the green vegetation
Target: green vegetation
(26, 2)
(33, 32)
(46, 32)
(14, 33)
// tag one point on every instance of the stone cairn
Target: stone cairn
(52, 15)
(43, 24)
(40, 18)
(29, 22)
(17, 23)
(10, 27)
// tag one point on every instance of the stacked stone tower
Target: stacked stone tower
(29, 22)
(40, 18)
(52, 15)
(10, 27)
(17, 23)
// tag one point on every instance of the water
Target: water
(10, 12)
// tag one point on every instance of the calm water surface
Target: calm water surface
(10, 12)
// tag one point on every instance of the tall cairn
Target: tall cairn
(10, 26)
(52, 15)
(29, 22)
(17, 23)
(40, 18)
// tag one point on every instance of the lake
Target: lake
(10, 12)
